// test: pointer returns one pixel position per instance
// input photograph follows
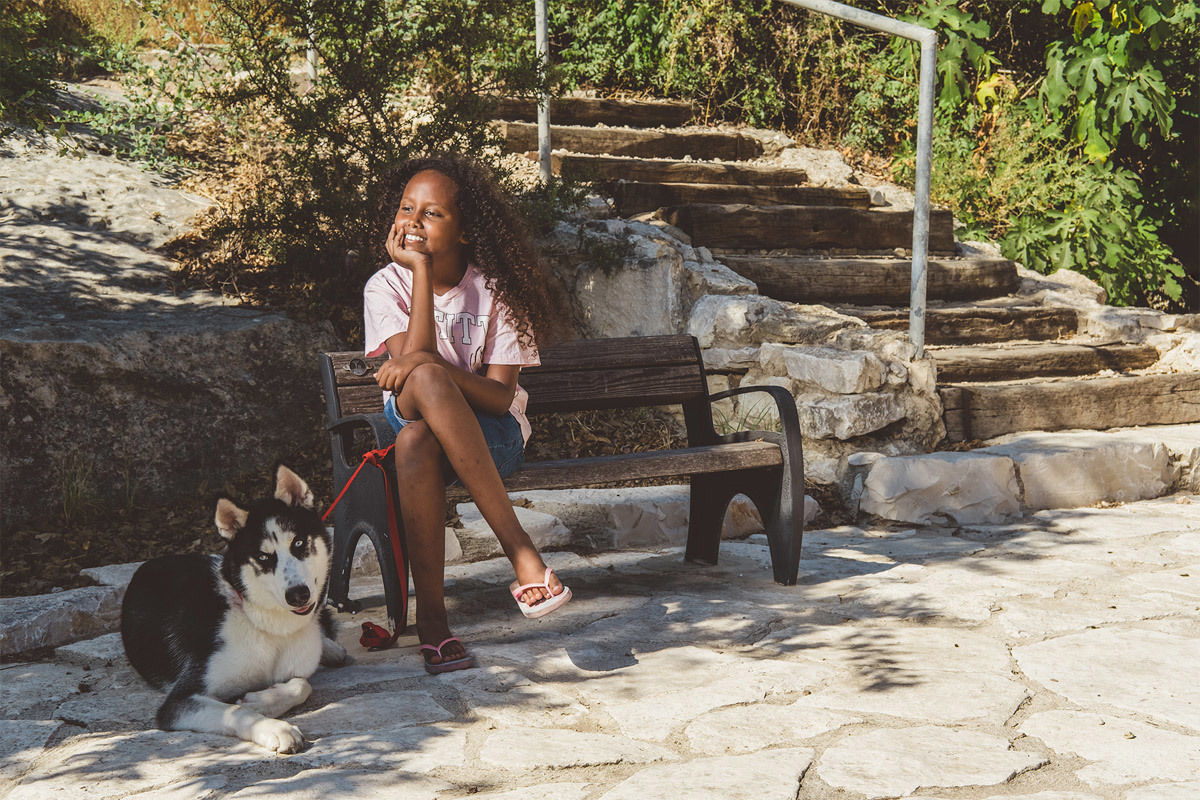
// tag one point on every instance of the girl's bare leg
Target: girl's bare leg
(429, 394)
(419, 462)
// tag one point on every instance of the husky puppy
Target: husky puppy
(233, 638)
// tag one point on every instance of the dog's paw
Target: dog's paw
(277, 735)
(277, 699)
(334, 655)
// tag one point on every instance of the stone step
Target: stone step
(634, 197)
(611, 168)
(986, 410)
(600, 111)
(977, 325)
(521, 137)
(806, 227)
(1045, 359)
(1026, 472)
(869, 281)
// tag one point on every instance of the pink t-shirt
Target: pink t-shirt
(473, 328)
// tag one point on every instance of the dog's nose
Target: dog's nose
(297, 596)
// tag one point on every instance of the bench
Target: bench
(592, 374)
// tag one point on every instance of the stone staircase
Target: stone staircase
(1007, 359)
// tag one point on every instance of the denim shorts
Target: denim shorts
(502, 434)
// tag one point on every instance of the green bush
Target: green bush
(26, 68)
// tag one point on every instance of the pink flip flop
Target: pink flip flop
(465, 662)
(544, 607)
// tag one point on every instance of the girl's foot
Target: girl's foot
(452, 650)
(533, 570)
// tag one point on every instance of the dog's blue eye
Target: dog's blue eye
(298, 545)
(263, 559)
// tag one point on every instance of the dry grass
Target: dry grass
(132, 24)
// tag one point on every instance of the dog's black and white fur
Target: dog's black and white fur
(233, 638)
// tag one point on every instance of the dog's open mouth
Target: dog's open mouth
(305, 610)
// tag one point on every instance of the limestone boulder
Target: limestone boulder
(737, 359)
(847, 417)
(50, 620)
(603, 264)
(824, 167)
(962, 488)
(156, 404)
(827, 368)
(477, 541)
(740, 321)
(1124, 324)
(1063, 286)
(1083, 468)
(117, 199)
(1181, 352)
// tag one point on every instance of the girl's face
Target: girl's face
(429, 220)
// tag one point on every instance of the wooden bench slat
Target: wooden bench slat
(589, 354)
(638, 466)
(574, 356)
(616, 388)
(573, 391)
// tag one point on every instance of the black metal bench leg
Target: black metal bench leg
(782, 511)
(710, 497)
(339, 573)
(362, 512)
(395, 585)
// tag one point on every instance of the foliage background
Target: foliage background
(1067, 131)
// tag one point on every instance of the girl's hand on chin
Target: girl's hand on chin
(401, 254)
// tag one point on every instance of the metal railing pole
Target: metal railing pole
(928, 40)
(920, 249)
(543, 115)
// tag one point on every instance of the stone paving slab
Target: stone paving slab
(1050, 658)
(893, 762)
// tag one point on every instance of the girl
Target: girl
(456, 310)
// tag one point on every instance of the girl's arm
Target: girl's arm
(420, 335)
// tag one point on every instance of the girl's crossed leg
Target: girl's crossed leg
(445, 433)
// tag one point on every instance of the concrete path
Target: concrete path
(1055, 658)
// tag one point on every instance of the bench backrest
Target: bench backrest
(588, 374)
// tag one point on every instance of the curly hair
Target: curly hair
(499, 243)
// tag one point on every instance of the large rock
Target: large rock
(963, 488)
(115, 198)
(1080, 469)
(477, 541)
(50, 620)
(153, 405)
(736, 321)
(846, 417)
(828, 368)
(603, 263)
(115, 385)
(1063, 287)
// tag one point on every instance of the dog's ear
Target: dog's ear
(230, 518)
(291, 488)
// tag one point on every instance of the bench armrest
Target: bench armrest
(789, 418)
(384, 434)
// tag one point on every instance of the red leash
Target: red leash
(375, 637)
